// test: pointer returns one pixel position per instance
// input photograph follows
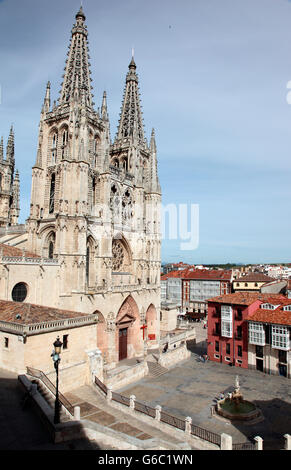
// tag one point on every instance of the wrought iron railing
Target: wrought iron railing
(244, 446)
(206, 435)
(38, 374)
(166, 418)
(101, 385)
(145, 409)
(172, 421)
(120, 398)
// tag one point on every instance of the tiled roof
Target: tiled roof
(208, 274)
(254, 277)
(277, 316)
(247, 298)
(12, 251)
(177, 274)
(200, 274)
(31, 313)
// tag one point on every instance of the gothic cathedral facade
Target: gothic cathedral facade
(95, 211)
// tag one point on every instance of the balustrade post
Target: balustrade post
(259, 443)
(158, 409)
(188, 422)
(287, 442)
(226, 442)
(109, 393)
(132, 401)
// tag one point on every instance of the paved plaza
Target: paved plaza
(189, 389)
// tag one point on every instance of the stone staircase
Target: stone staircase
(49, 398)
(155, 369)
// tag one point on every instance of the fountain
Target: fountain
(234, 407)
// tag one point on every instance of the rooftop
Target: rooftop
(200, 274)
(254, 277)
(12, 251)
(28, 314)
(247, 298)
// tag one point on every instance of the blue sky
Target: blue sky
(213, 81)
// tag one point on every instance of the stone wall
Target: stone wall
(124, 377)
(173, 356)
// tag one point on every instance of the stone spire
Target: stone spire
(77, 81)
(154, 183)
(47, 99)
(10, 146)
(104, 112)
(131, 121)
(15, 207)
(1, 149)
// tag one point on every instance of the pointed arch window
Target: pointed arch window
(54, 148)
(93, 191)
(51, 250)
(65, 137)
(87, 264)
(52, 194)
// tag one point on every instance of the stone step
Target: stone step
(49, 398)
(155, 370)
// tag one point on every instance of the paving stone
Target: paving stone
(87, 409)
(126, 429)
(103, 418)
(144, 437)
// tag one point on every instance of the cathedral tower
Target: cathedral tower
(95, 206)
(9, 184)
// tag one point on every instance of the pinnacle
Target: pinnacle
(81, 13)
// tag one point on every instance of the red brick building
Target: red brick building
(228, 316)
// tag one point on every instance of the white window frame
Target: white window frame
(268, 306)
(226, 321)
(280, 337)
(257, 334)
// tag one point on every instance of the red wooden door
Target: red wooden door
(122, 344)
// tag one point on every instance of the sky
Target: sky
(213, 77)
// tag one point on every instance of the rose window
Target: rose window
(117, 255)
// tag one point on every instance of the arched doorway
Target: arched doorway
(129, 342)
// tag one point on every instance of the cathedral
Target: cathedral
(91, 242)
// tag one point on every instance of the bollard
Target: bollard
(226, 442)
(77, 413)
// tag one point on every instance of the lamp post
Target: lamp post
(56, 358)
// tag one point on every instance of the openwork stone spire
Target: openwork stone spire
(154, 179)
(10, 146)
(77, 81)
(131, 122)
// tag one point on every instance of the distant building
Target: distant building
(191, 288)
(277, 286)
(167, 268)
(200, 285)
(250, 282)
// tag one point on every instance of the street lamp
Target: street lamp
(56, 358)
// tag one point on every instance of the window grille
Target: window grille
(257, 334)
(280, 337)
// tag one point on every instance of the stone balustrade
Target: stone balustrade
(36, 328)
